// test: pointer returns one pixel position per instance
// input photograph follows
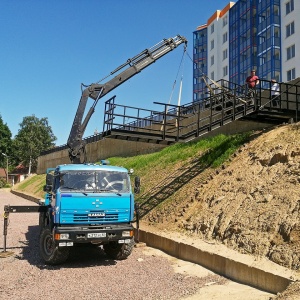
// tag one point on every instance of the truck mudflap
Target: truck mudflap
(68, 236)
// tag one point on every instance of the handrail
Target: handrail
(185, 122)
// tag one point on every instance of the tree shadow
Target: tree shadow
(82, 256)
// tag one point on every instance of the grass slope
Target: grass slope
(155, 167)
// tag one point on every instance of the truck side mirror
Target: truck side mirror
(49, 179)
(47, 188)
(137, 184)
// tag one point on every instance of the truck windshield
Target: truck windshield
(95, 181)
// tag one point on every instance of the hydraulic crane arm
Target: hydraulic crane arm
(96, 91)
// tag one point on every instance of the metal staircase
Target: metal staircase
(226, 102)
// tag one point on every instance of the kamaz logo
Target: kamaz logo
(96, 215)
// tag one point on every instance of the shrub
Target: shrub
(2, 183)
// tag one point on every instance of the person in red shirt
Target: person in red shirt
(251, 82)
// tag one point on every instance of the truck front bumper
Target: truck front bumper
(68, 235)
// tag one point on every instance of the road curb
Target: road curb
(26, 196)
(230, 268)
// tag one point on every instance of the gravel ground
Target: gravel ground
(88, 274)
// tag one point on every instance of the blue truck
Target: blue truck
(87, 203)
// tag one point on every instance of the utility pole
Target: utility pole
(6, 166)
(29, 169)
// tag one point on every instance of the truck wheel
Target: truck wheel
(118, 251)
(51, 253)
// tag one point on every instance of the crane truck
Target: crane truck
(91, 203)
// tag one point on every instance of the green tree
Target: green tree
(34, 136)
(5, 142)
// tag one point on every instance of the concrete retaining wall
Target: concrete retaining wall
(232, 269)
(97, 151)
(106, 148)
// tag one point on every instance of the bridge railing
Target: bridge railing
(225, 102)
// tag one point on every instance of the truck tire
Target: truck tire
(51, 253)
(41, 219)
(118, 251)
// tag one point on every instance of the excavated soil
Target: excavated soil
(251, 204)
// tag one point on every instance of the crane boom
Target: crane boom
(96, 91)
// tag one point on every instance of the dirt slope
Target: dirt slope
(252, 204)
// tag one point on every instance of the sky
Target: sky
(49, 47)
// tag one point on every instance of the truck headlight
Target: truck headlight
(61, 236)
(127, 233)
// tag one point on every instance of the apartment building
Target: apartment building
(245, 35)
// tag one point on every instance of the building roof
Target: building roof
(220, 13)
(217, 14)
(201, 27)
(20, 169)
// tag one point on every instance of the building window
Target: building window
(291, 74)
(212, 44)
(212, 75)
(290, 52)
(225, 37)
(198, 66)
(289, 6)
(290, 29)
(261, 18)
(225, 21)
(212, 28)
(225, 54)
(225, 71)
(212, 60)
(262, 39)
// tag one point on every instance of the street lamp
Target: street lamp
(6, 166)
